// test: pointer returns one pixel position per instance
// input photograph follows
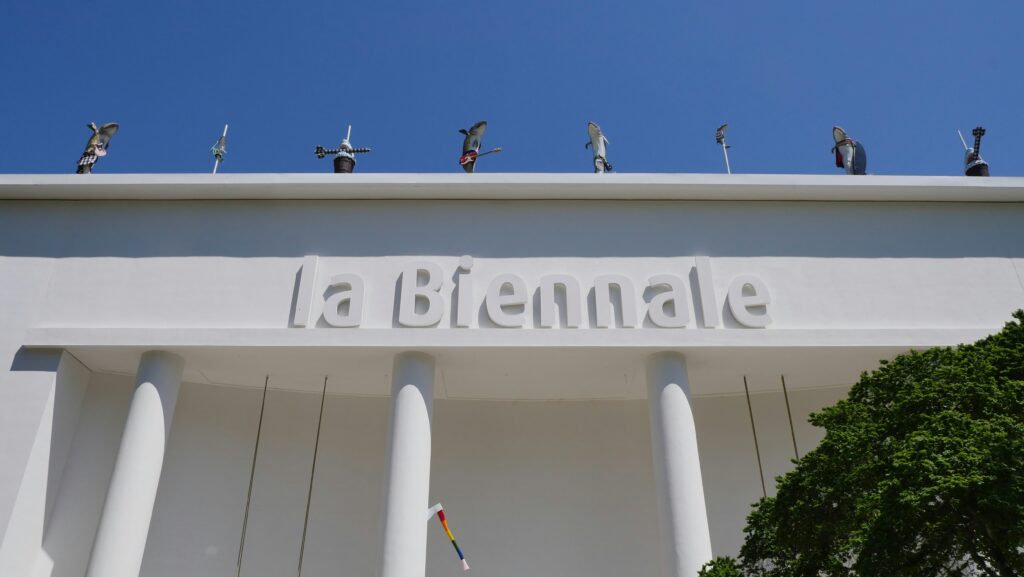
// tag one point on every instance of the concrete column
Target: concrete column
(124, 524)
(684, 519)
(408, 485)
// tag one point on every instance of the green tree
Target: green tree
(919, 474)
(721, 567)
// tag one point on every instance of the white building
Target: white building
(563, 348)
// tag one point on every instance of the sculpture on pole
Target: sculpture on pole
(720, 140)
(471, 146)
(220, 149)
(344, 155)
(974, 165)
(850, 154)
(97, 146)
(599, 145)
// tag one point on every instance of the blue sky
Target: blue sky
(658, 76)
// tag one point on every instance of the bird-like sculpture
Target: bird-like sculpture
(599, 145)
(850, 154)
(471, 146)
(97, 146)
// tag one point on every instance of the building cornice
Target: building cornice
(655, 339)
(512, 186)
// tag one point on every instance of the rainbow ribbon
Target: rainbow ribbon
(444, 523)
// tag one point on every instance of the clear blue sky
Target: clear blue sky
(658, 76)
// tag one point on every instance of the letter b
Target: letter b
(425, 297)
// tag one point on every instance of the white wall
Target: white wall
(505, 229)
(234, 263)
(530, 487)
(533, 487)
(25, 394)
(71, 527)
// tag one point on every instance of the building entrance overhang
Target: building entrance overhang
(500, 364)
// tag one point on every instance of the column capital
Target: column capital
(413, 368)
(157, 357)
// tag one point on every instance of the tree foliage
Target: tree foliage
(919, 474)
(721, 567)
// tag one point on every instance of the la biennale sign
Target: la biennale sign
(520, 293)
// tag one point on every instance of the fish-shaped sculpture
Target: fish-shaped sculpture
(599, 144)
(471, 145)
(97, 146)
(850, 154)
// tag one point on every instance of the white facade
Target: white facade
(563, 360)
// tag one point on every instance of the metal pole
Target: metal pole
(725, 152)
(312, 474)
(252, 474)
(962, 141)
(789, 413)
(753, 430)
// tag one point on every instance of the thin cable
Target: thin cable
(252, 475)
(789, 413)
(753, 429)
(312, 474)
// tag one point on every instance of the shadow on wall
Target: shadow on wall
(510, 229)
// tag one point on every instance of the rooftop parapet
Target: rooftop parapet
(512, 186)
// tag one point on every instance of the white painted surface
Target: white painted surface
(512, 186)
(570, 482)
(279, 489)
(71, 528)
(807, 293)
(215, 281)
(677, 466)
(408, 480)
(25, 394)
(728, 465)
(197, 516)
(20, 547)
(124, 524)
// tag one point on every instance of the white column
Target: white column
(408, 485)
(684, 519)
(124, 525)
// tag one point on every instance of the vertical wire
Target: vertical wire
(252, 475)
(753, 429)
(789, 413)
(312, 474)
